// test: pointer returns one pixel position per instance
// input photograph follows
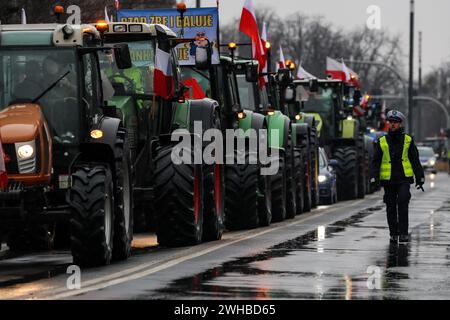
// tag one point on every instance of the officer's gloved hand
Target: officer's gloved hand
(419, 184)
(373, 180)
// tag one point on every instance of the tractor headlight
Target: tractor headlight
(25, 152)
(322, 178)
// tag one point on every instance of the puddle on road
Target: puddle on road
(215, 283)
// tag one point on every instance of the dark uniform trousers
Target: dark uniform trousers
(397, 197)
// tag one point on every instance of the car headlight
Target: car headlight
(25, 152)
(431, 162)
(322, 178)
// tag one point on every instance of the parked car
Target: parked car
(428, 159)
(327, 179)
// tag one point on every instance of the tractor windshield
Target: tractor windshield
(137, 79)
(246, 93)
(49, 74)
(322, 103)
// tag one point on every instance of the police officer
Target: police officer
(396, 162)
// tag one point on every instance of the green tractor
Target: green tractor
(66, 150)
(247, 193)
(183, 200)
(286, 200)
(339, 132)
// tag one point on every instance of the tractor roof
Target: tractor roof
(58, 35)
(139, 28)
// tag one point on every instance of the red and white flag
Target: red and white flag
(302, 74)
(264, 80)
(163, 84)
(337, 70)
(106, 16)
(281, 62)
(117, 4)
(249, 26)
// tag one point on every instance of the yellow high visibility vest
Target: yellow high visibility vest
(386, 167)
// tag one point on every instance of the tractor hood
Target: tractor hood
(20, 123)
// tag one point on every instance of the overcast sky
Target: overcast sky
(432, 18)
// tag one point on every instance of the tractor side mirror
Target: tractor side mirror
(289, 94)
(122, 56)
(203, 57)
(251, 72)
(284, 77)
(313, 85)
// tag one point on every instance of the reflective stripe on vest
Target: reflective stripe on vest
(386, 167)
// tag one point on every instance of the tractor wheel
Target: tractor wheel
(213, 225)
(291, 191)
(31, 238)
(123, 216)
(314, 169)
(241, 202)
(264, 201)
(347, 173)
(307, 183)
(92, 223)
(178, 199)
(214, 206)
(298, 178)
(279, 188)
(361, 181)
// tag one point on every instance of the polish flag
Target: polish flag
(163, 83)
(249, 26)
(117, 4)
(303, 74)
(281, 61)
(337, 70)
(263, 80)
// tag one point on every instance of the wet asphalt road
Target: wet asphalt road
(339, 252)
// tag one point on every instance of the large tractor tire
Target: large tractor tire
(314, 145)
(214, 197)
(279, 191)
(123, 216)
(242, 185)
(307, 183)
(214, 207)
(298, 178)
(92, 222)
(347, 173)
(178, 199)
(291, 183)
(264, 200)
(34, 237)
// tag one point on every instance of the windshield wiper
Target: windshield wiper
(50, 88)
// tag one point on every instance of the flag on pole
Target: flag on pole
(302, 74)
(264, 80)
(117, 4)
(24, 16)
(163, 82)
(281, 61)
(106, 15)
(249, 26)
(337, 70)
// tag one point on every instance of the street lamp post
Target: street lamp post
(411, 69)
